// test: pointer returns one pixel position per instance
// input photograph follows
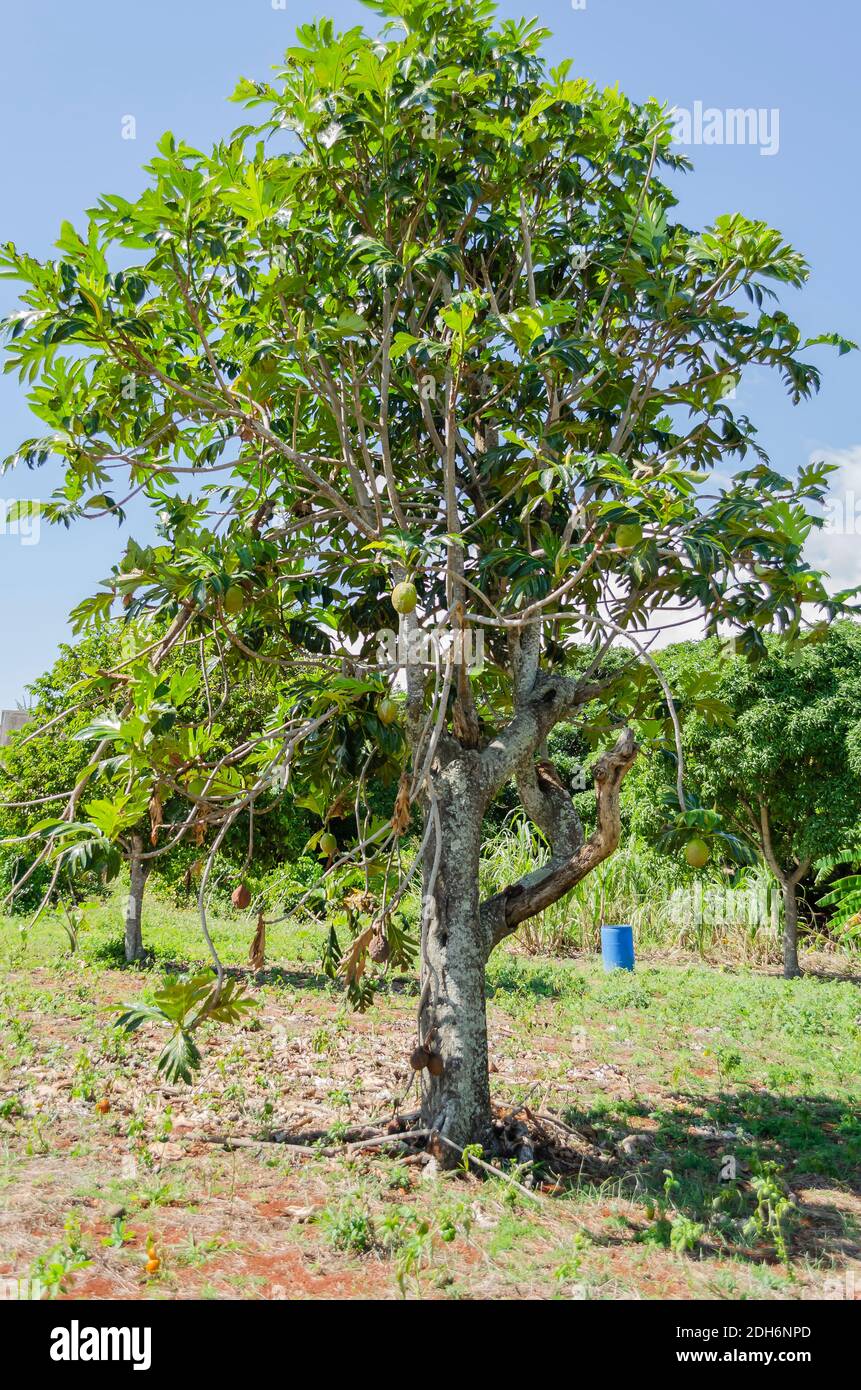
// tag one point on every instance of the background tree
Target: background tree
(42, 764)
(45, 858)
(778, 770)
(425, 329)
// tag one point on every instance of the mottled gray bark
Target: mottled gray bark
(789, 880)
(138, 871)
(458, 931)
(452, 1018)
(790, 930)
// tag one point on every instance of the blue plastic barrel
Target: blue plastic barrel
(617, 947)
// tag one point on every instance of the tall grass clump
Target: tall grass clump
(668, 905)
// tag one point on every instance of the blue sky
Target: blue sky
(71, 72)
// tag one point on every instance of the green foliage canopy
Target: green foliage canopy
(426, 316)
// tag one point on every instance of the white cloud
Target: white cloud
(837, 547)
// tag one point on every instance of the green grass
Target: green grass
(171, 934)
(756, 1030)
(671, 908)
(691, 1064)
(787, 1054)
(722, 1065)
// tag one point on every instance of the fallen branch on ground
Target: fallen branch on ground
(489, 1168)
(310, 1150)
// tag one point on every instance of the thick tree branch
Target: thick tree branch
(787, 878)
(550, 699)
(549, 806)
(503, 913)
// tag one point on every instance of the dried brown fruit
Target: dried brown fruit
(240, 897)
(357, 901)
(436, 1066)
(379, 949)
(419, 1058)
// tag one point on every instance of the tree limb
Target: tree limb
(503, 913)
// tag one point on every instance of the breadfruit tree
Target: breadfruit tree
(424, 329)
(46, 857)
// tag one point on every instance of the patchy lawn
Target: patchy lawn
(696, 1134)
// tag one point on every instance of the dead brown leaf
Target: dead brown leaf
(256, 956)
(353, 963)
(401, 815)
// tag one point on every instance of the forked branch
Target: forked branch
(503, 913)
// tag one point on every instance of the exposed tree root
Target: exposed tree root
(520, 1136)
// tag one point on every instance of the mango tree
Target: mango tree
(777, 766)
(424, 330)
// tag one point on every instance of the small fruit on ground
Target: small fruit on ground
(240, 897)
(628, 536)
(697, 853)
(404, 597)
(436, 1066)
(387, 710)
(328, 844)
(153, 1264)
(103, 1106)
(419, 1058)
(234, 600)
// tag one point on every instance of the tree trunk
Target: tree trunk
(789, 880)
(455, 947)
(137, 879)
(790, 929)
